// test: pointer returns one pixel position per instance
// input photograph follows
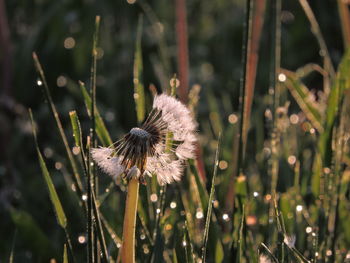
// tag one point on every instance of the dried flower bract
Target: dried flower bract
(146, 148)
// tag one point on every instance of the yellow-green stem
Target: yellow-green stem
(128, 247)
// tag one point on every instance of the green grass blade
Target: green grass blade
(13, 248)
(304, 99)
(315, 28)
(342, 83)
(101, 130)
(93, 79)
(188, 245)
(100, 233)
(174, 256)
(139, 93)
(76, 129)
(116, 239)
(241, 237)
(61, 216)
(345, 21)
(210, 203)
(65, 255)
(297, 255)
(266, 252)
(55, 114)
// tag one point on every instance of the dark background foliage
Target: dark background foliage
(215, 47)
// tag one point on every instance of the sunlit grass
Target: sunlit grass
(284, 198)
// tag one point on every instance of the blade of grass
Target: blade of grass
(342, 83)
(60, 215)
(241, 237)
(13, 247)
(188, 245)
(162, 46)
(214, 234)
(99, 230)
(45, 88)
(210, 203)
(345, 22)
(238, 148)
(256, 20)
(315, 28)
(139, 93)
(303, 97)
(267, 251)
(56, 203)
(182, 48)
(92, 247)
(65, 256)
(101, 130)
(275, 91)
(116, 239)
(78, 141)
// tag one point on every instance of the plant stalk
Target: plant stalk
(128, 247)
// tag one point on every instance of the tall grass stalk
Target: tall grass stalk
(93, 255)
(52, 107)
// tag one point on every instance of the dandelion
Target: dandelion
(159, 147)
(146, 148)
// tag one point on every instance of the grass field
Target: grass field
(271, 179)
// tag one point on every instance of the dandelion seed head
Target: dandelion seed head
(143, 150)
(107, 162)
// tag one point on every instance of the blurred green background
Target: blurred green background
(61, 34)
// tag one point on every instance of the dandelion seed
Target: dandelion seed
(143, 151)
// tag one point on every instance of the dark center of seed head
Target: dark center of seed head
(140, 133)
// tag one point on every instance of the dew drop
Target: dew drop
(173, 205)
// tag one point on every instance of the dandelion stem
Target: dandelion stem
(128, 248)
